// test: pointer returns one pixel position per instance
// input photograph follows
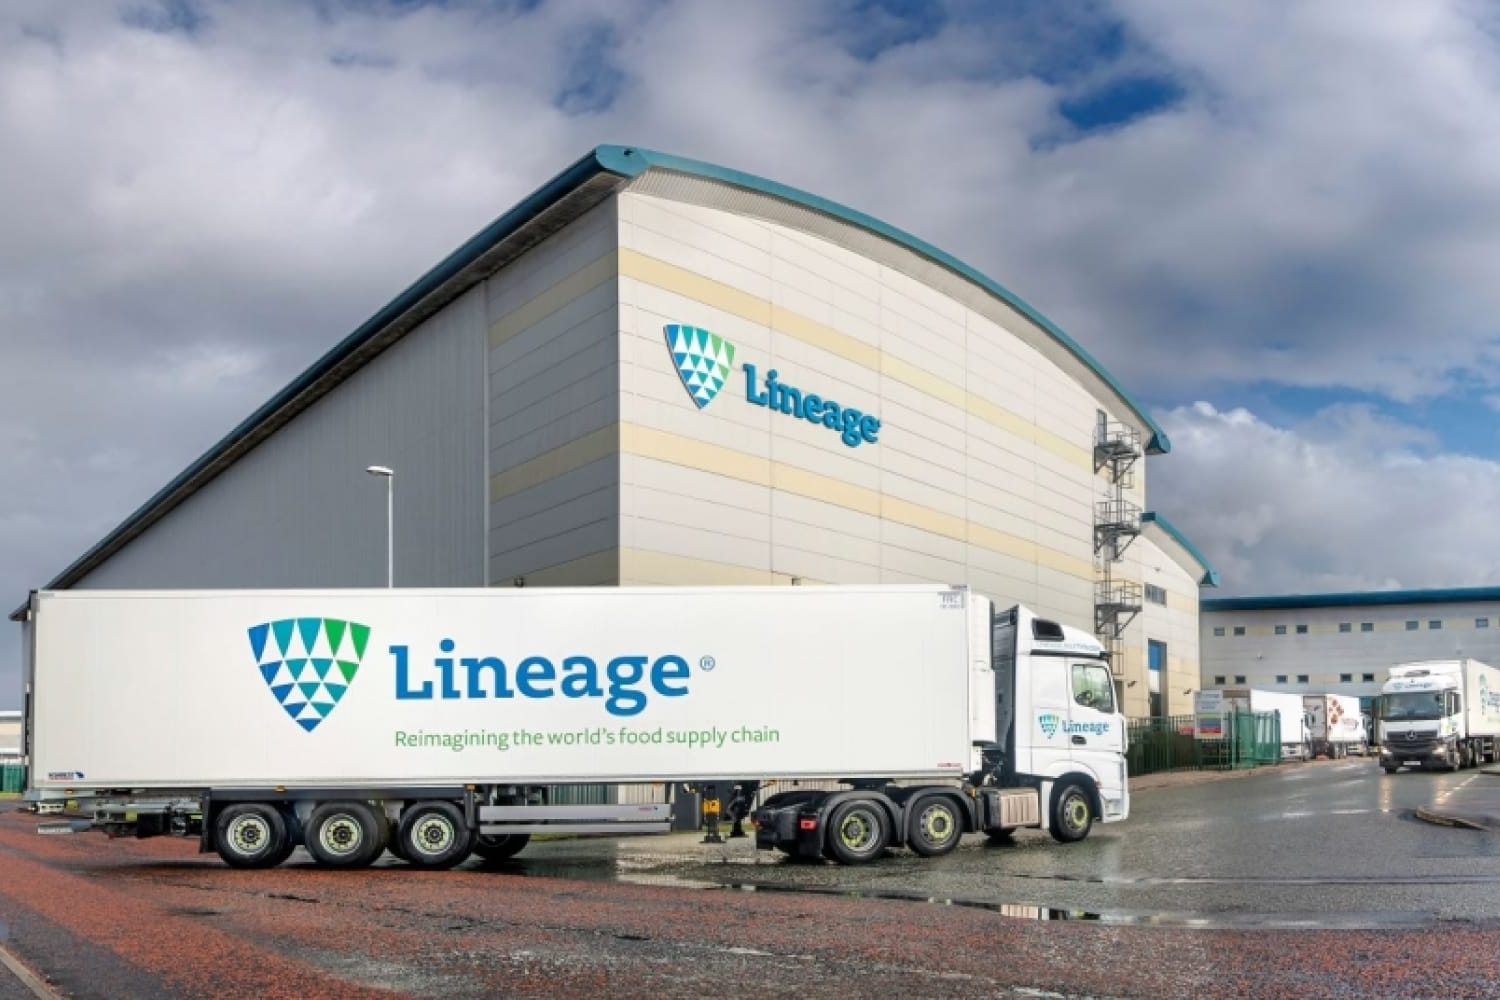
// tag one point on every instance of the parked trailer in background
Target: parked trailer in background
(1288, 708)
(1334, 726)
(1440, 714)
(433, 723)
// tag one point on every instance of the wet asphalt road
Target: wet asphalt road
(1310, 881)
(1329, 844)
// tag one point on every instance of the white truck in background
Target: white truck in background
(1440, 714)
(1334, 726)
(1288, 708)
(436, 724)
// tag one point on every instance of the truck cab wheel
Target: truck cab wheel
(434, 835)
(1072, 814)
(346, 834)
(252, 835)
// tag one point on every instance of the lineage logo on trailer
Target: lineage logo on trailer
(309, 663)
(704, 361)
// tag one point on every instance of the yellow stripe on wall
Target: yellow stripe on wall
(539, 307)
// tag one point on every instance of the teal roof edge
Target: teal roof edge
(623, 160)
(1354, 599)
(1210, 576)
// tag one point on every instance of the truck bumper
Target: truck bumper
(793, 830)
(1426, 754)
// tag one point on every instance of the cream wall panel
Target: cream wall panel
(638, 568)
(810, 566)
(665, 215)
(827, 540)
(810, 451)
(790, 508)
(726, 546)
(733, 493)
(749, 273)
(669, 508)
(802, 277)
(1021, 524)
(908, 539)
(899, 288)
(828, 325)
(941, 355)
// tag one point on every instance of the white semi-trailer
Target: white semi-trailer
(1440, 714)
(1334, 726)
(433, 723)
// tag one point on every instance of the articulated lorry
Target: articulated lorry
(1442, 714)
(1334, 726)
(442, 724)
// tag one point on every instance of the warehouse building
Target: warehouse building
(1343, 643)
(659, 371)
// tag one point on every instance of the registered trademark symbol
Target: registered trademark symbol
(707, 663)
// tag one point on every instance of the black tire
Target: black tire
(493, 848)
(252, 835)
(933, 826)
(1389, 770)
(858, 831)
(346, 834)
(434, 835)
(1072, 813)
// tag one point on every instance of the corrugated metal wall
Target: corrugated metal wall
(300, 511)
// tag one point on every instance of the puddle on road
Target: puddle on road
(1373, 920)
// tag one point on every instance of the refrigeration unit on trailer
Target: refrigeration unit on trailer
(437, 724)
(1440, 714)
(1334, 726)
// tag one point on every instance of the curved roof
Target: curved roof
(568, 195)
(1208, 576)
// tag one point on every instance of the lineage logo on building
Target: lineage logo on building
(704, 361)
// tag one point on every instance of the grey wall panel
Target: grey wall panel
(553, 387)
(300, 511)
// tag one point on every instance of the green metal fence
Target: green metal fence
(12, 778)
(1250, 739)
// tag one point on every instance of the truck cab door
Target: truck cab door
(1095, 732)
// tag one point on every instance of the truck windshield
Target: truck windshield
(1412, 705)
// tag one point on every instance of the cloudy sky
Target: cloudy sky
(1276, 223)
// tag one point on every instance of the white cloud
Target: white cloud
(1345, 501)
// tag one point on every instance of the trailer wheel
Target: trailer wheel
(1072, 814)
(494, 847)
(346, 834)
(252, 835)
(934, 827)
(434, 835)
(857, 832)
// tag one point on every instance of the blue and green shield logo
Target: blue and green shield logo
(308, 663)
(1049, 724)
(703, 360)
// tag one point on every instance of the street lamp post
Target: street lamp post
(389, 475)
